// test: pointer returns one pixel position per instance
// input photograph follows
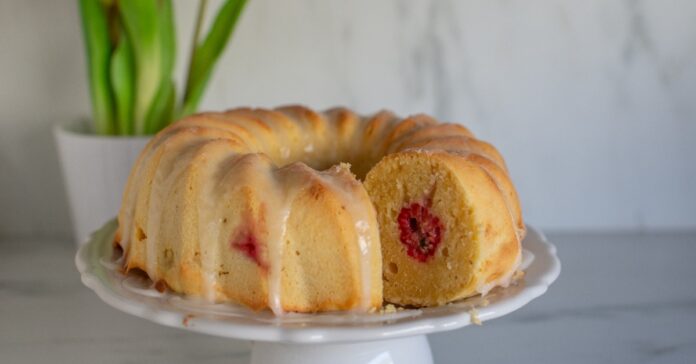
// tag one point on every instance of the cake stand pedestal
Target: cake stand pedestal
(390, 336)
(410, 349)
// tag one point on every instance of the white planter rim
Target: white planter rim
(83, 128)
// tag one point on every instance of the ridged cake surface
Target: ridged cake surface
(267, 208)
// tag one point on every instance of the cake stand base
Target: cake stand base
(411, 349)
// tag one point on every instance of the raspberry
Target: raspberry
(420, 231)
(247, 243)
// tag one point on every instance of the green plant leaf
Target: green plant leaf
(140, 18)
(98, 49)
(161, 108)
(123, 84)
(167, 38)
(207, 53)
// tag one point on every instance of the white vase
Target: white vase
(95, 170)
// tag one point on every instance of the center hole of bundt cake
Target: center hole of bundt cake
(420, 231)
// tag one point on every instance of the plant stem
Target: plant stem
(202, 5)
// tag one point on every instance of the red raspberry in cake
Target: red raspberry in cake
(246, 242)
(420, 231)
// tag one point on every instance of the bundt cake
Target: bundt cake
(266, 208)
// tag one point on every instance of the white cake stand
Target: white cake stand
(392, 336)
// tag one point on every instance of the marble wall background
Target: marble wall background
(592, 102)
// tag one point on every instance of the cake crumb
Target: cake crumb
(389, 309)
(517, 276)
(187, 319)
(473, 313)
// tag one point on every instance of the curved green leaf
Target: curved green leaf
(98, 48)
(162, 111)
(123, 84)
(207, 53)
(140, 18)
(167, 38)
(161, 108)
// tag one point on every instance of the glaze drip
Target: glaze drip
(345, 189)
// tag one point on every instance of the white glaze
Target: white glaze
(209, 226)
(169, 172)
(289, 181)
(505, 280)
(279, 198)
(277, 231)
(131, 193)
(359, 213)
(127, 212)
(364, 243)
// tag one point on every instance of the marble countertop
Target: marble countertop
(621, 298)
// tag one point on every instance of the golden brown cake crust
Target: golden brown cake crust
(253, 206)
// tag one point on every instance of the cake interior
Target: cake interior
(427, 193)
